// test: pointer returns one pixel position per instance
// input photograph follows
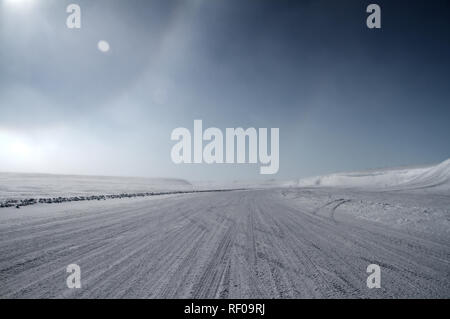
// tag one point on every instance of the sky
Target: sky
(344, 97)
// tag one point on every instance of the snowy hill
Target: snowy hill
(436, 178)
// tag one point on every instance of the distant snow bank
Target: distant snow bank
(242, 184)
(433, 178)
(21, 186)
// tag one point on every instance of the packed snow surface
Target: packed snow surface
(272, 240)
(264, 243)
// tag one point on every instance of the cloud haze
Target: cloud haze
(344, 97)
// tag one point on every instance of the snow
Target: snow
(434, 178)
(271, 239)
(21, 186)
(242, 184)
(413, 199)
(413, 210)
(263, 243)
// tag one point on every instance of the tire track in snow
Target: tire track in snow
(241, 244)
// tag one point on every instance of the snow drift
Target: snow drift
(436, 178)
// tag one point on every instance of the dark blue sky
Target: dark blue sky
(344, 97)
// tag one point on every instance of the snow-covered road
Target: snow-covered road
(237, 244)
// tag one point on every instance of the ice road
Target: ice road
(266, 243)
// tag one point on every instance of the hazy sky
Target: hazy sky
(344, 97)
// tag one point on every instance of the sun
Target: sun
(15, 147)
(19, 3)
(20, 149)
